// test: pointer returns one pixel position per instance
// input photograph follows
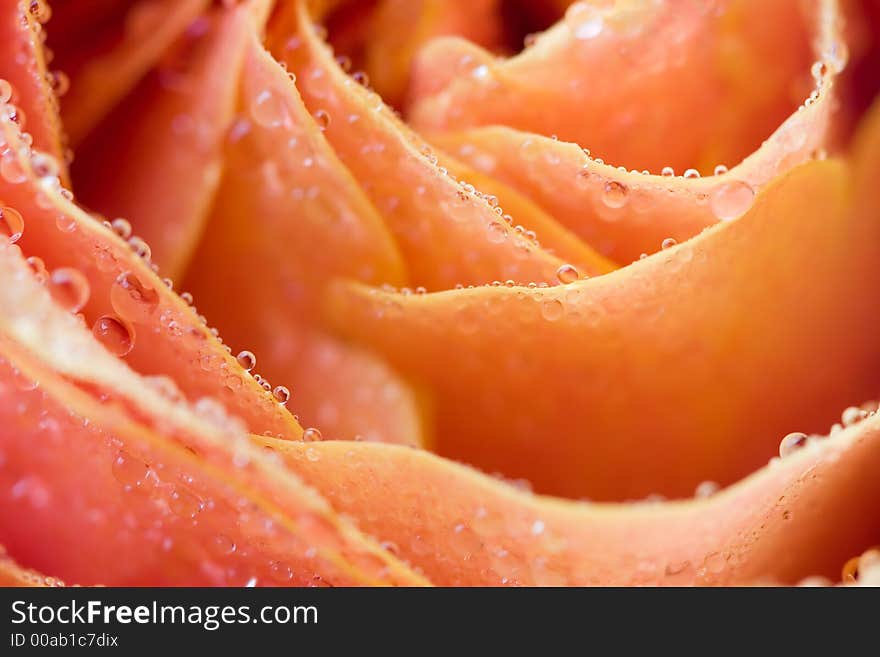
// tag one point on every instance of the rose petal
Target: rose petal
(157, 159)
(689, 365)
(11, 574)
(121, 53)
(288, 217)
(165, 337)
(711, 85)
(25, 67)
(796, 518)
(97, 460)
(446, 233)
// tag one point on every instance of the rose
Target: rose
(286, 206)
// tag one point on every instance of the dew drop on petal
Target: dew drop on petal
(65, 223)
(247, 360)
(132, 299)
(732, 200)
(791, 443)
(311, 435)
(129, 470)
(615, 194)
(668, 243)
(5, 91)
(281, 394)
(70, 288)
(552, 309)
(268, 109)
(567, 274)
(706, 489)
(11, 224)
(121, 227)
(116, 336)
(322, 118)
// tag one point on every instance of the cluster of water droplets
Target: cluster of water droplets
(852, 415)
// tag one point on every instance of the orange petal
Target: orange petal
(390, 49)
(624, 214)
(148, 323)
(115, 60)
(446, 233)
(289, 217)
(712, 84)
(25, 68)
(686, 366)
(798, 517)
(554, 238)
(108, 463)
(157, 160)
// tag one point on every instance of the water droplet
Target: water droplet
(60, 82)
(268, 109)
(128, 470)
(322, 118)
(39, 268)
(121, 227)
(667, 172)
(691, 174)
(852, 415)
(11, 169)
(552, 309)
(70, 288)
(65, 223)
(247, 360)
(5, 91)
(668, 243)
(791, 443)
(732, 200)
(615, 194)
(584, 21)
(11, 224)
(44, 165)
(311, 435)
(116, 336)
(720, 170)
(567, 274)
(133, 300)
(184, 503)
(140, 247)
(706, 489)
(849, 574)
(281, 394)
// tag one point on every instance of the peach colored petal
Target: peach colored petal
(164, 336)
(390, 49)
(288, 217)
(710, 85)
(686, 366)
(25, 68)
(157, 159)
(798, 517)
(122, 53)
(446, 233)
